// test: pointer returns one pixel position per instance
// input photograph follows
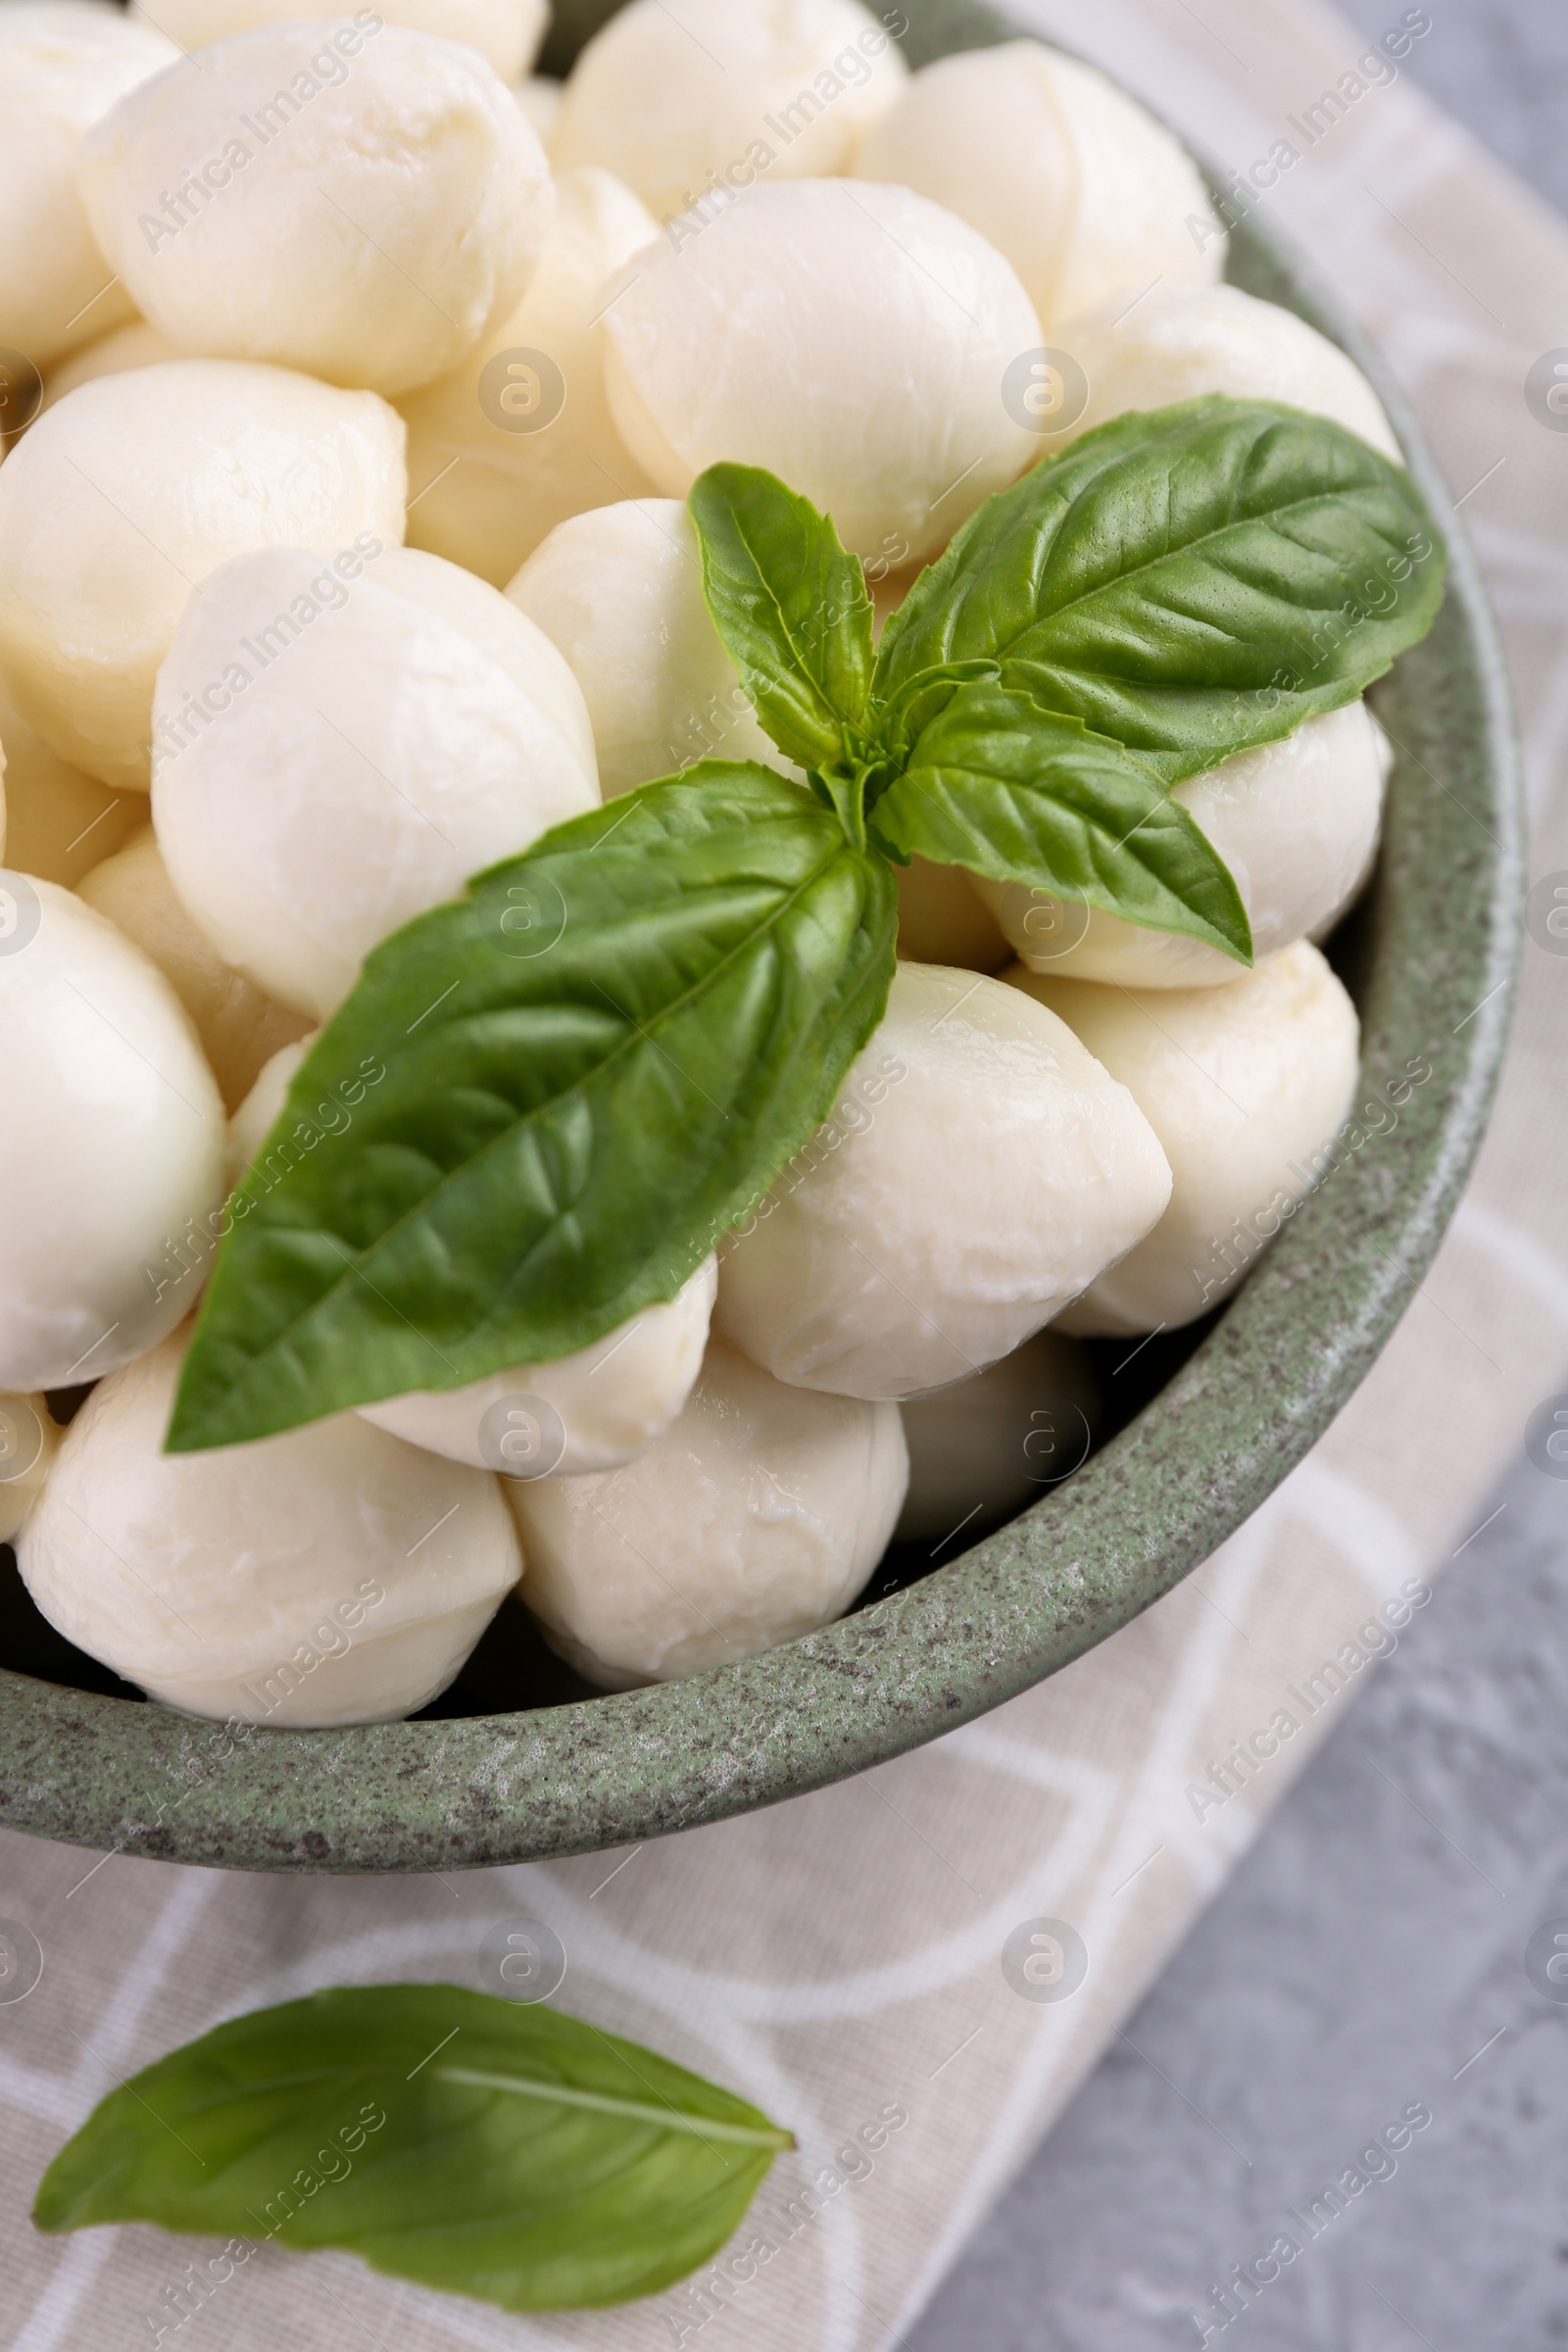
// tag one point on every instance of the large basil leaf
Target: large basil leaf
(497, 2150)
(1023, 795)
(1189, 583)
(791, 606)
(592, 1063)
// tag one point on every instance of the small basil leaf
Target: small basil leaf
(483, 2147)
(1189, 583)
(844, 791)
(590, 1067)
(791, 606)
(917, 701)
(1024, 795)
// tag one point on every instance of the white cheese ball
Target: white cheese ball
(111, 1142)
(135, 488)
(29, 1444)
(1181, 342)
(540, 100)
(1298, 825)
(853, 339)
(1079, 186)
(56, 824)
(1243, 1085)
(506, 31)
(1328, 922)
(353, 200)
(997, 1441)
(380, 735)
(619, 591)
(327, 1576)
(133, 345)
(700, 101)
(253, 1122)
(590, 1411)
(62, 65)
(755, 1518)
(943, 920)
(520, 436)
(239, 1027)
(979, 1171)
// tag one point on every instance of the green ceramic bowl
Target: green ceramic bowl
(1430, 958)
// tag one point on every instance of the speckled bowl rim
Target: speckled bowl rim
(1244, 1408)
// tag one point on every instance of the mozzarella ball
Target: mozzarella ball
(619, 591)
(136, 487)
(851, 339)
(325, 1577)
(979, 1171)
(540, 100)
(755, 1518)
(56, 824)
(1180, 342)
(263, 1107)
(1079, 186)
(1297, 822)
(997, 1441)
(133, 345)
(29, 1444)
(240, 1028)
(590, 1411)
(363, 204)
(110, 1144)
(700, 101)
(942, 919)
(520, 435)
(1243, 1085)
(1329, 921)
(62, 65)
(382, 737)
(506, 31)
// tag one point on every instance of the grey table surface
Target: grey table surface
(1370, 1952)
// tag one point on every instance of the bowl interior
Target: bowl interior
(521, 1759)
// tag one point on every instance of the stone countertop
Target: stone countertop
(1367, 1956)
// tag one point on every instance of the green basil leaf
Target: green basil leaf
(1024, 795)
(592, 1066)
(791, 606)
(917, 702)
(1189, 583)
(842, 789)
(483, 2147)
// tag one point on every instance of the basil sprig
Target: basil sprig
(599, 1060)
(507, 2152)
